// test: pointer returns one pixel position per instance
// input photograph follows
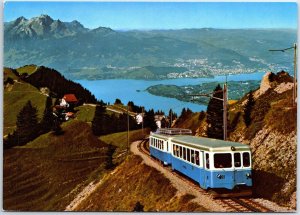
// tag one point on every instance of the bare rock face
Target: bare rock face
(274, 161)
(281, 88)
(265, 84)
(281, 82)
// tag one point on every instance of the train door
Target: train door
(237, 165)
(206, 167)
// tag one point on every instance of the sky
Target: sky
(162, 15)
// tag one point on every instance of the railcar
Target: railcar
(210, 162)
(160, 143)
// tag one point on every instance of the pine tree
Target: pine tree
(149, 120)
(248, 109)
(171, 117)
(56, 127)
(47, 122)
(102, 122)
(27, 124)
(201, 116)
(110, 152)
(214, 117)
(118, 102)
(138, 207)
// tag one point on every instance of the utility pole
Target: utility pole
(225, 111)
(295, 68)
(224, 106)
(295, 73)
(142, 120)
(127, 128)
(171, 119)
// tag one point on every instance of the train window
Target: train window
(180, 150)
(177, 151)
(184, 153)
(246, 159)
(223, 160)
(188, 155)
(207, 161)
(197, 159)
(237, 160)
(192, 156)
(167, 146)
(174, 149)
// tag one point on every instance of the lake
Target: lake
(135, 90)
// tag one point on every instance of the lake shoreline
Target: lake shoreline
(127, 90)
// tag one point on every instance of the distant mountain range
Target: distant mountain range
(100, 53)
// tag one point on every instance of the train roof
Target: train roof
(210, 144)
(174, 131)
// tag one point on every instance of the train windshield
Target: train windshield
(246, 159)
(223, 160)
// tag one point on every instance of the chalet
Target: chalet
(70, 98)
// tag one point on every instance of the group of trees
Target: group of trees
(28, 126)
(214, 115)
(105, 123)
(59, 85)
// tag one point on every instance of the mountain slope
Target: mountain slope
(69, 47)
(41, 27)
(16, 94)
(47, 173)
(271, 136)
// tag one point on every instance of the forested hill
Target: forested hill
(58, 84)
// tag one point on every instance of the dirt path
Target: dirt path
(86, 192)
(182, 186)
(82, 195)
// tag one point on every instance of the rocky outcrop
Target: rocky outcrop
(264, 85)
(282, 82)
(274, 164)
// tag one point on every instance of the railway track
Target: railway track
(231, 204)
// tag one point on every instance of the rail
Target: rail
(233, 204)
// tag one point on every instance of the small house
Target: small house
(70, 98)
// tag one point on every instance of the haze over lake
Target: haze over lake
(135, 90)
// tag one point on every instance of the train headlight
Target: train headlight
(248, 175)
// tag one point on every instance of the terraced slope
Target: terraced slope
(48, 172)
(134, 182)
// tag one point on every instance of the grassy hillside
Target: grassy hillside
(15, 97)
(47, 173)
(7, 72)
(119, 141)
(193, 122)
(85, 113)
(132, 182)
(29, 69)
